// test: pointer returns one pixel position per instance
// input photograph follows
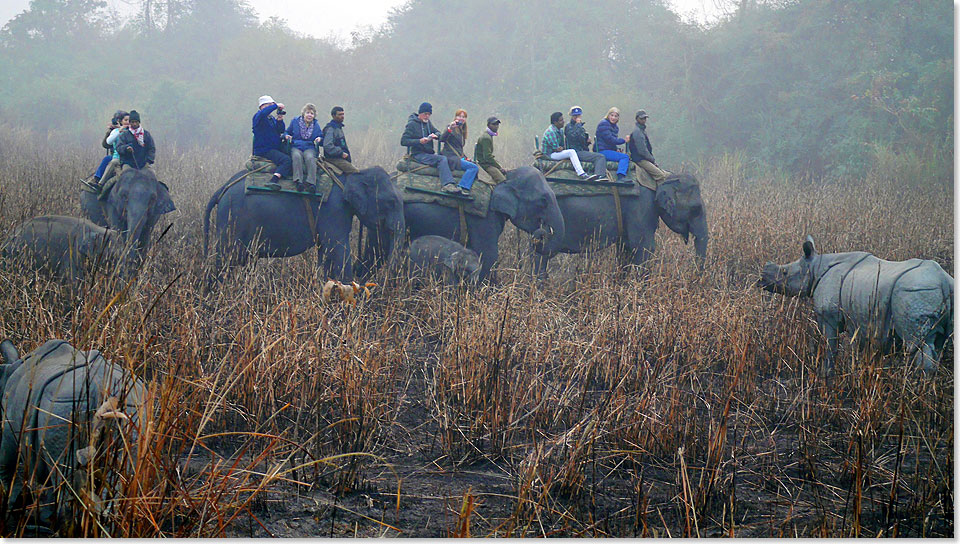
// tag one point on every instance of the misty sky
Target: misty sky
(323, 19)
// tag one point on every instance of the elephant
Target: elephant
(892, 303)
(66, 247)
(445, 259)
(593, 220)
(524, 198)
(57, 403)
(282, 226)
(133, 207)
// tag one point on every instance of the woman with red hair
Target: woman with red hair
(453, 139)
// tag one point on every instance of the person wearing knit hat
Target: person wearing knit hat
(641, 152)
(135, 145)
(579, 141)
(608, 140)
(418, 137)
(267, 134)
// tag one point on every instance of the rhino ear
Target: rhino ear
(809, 249)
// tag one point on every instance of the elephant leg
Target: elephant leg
(831, 334)
(489, 255)
(335, 241)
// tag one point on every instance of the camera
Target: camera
(281, 111)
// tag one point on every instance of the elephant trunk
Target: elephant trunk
(698, 227)
(136, 223)
(554, 231)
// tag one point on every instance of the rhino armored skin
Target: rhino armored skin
(906, 303)
(49, 402)
(63, 246)
(445, 259)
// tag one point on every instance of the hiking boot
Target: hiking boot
(273, 186)
(621, 177)
(311, 188)
(450, 188)
(465, 192)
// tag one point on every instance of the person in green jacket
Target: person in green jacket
(483, 152)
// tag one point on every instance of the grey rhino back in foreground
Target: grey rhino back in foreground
(49, 402)
(63, 246)
(887, 302)
(445, 259)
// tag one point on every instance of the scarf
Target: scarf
(305, 129)
(490, 132)
(138, 134)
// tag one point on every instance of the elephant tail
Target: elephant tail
(214, 200)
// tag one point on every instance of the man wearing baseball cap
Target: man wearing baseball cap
(579, 141)
(641, 152)
(267, 132)
(483, 152)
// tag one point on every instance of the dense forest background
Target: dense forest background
(811, 87)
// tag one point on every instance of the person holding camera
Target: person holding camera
(553, 146)
(453, 139)
(418, 137)
(113, 128)
(578, 140)
(335, 150)
(267, 132)
(305, 134)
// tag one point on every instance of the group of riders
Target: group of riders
(128, 145)
(294, 149)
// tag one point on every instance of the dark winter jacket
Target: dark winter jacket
(608, 136)
(639, 147)
(104, 143)
(576, 137)
(452, 143)
(294, 131)
(266, 131)
(140, 155)
(335, 142)
(415, 130)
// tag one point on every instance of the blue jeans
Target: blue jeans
(103, 166)
(469, 173)
(437, 161)
(623, 158)
(282, 160)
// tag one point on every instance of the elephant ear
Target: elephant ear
(666, 199)
(504, 200)
(358, 194)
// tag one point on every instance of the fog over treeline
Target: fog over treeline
(805, 86)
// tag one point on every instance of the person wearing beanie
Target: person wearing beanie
(135, 145)
(608, 139)
(641, 152)
(553, 146)
(335, 150)
(483, 152)
(418, 137)
(267, 133)
(578, 140)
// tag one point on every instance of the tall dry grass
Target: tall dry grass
(684, 405)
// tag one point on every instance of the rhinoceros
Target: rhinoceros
(56, 404)
(63, 246)
(445, 259)
(891, 303)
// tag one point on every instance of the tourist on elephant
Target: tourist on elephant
(112, 170)
(641, 152)
(453, 139)
(418, 137)
(578, 140)
(305, 134)
(135, 145)
(113, 128)
(335, 150)
(553, 146)
(267, 132)
(483, 152)
(608, 140)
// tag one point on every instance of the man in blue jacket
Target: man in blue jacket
(267, 132)
(418, 136)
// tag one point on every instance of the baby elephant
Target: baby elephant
(447, 260)
(906, 303)
(64, 246)
(58, 403)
